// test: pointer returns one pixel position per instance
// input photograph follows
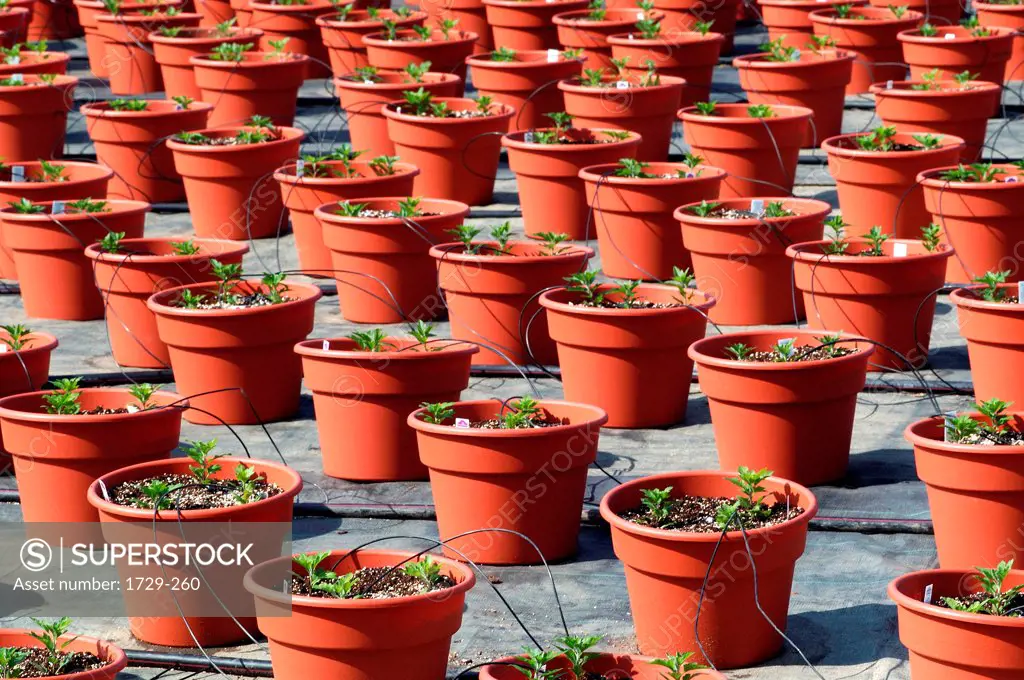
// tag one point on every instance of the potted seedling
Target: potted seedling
(32, 57)
(789, 21)
(174, 47)
(589, 29)
(571, 657)
(738, 250)
(380, 253)
(445, 47)
(96, 44)
(14, 22)
(482, 454)
(24, 365)
(33, 115)
(51, 652)
(343, 32)
(952, 49)
(1008, 15)
(939, 12)
(524, 25)
(989, 316)
(294, 21)
(684, 16)
(131, 66)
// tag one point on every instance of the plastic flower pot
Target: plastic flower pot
(529, 84)
(492, 299)
(362, 400)
(230, 189)
(477, 475)
(302, 194)
(96, 44)
(128, 278)
(1006, 16)
(803, 411)
(243, 13)
(683, 16)
(743, 263)
(577, 31)
(527, 24)
(342, 35)
(383, 265)
(637, 233)
(115, 657)
(37, 62)
(934, 635)
(880, 187)
(790, 20)
(172, 631)
(888, 299)
(23, 370)
(258, 85)
(939, 12)
(993, 346)
(14, 25)
(360, 639)
(298, 24)
(631, 363)
(665, 570)
(214, 12)
(33, 117)
(54, 21)
(59, 456)
(457, 157)
(131, 66)
(551, 194)
(760, 154)
(608, 665)
(174, 54)
(648, 110)
(691, 56)
(816, 80)
(363, 103)
(985, 55)
(48, 251)
(870, 33)
(446, 55)
(471, 16)
(949, 109)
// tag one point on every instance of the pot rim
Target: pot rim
(598, 173)
(695, 352)
(156, 305)
(993, 7)
(285, 174)
(85, 165)
(443, 78)
(36, 58)
(546, 300)
(6, 412)
(904, 89)
(758, 62)
(960, 299)
(274, 8)
(831, 146)
(929, 178)
(240, 32)
(130, 207)
(911, 434)
(784, 112)
(485, 62)
(821, 207)
(49, 344)
(93, 251)
(329, 21)
(101, 110)
(511, 140)
(822, 16)
(667, 83)
(288, 135)
(577, 18)
(443, 253)
(531, 3)
(503, 662)
(141, 4)
(933, 611)
(117, 659)
(798, 252)
(682, 38)
(135, 19)
(598, 418)
(378, 40)
(31, 80)
(813, 3)
(505, 111)
(912, 36)
(457, 208)
(203, 61)
(313, 347)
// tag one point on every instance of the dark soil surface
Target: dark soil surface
(37, 664)
(734, 214)
(103, 411)
(1014, 610)
(800, 353)
(378, 583)
(392, 214)
(193, 496)
(696, 514)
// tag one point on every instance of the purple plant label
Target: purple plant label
(57, 208)
(326, 345)
(899, 249)
(300, 168)
(928, 594)
(553, 54)
(18, 173)
(757, 205)
(1012, 178)
(462, 423)
(621, 85)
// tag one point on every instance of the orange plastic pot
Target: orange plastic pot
(14, 25)
(760, 154)
(253, 86)
(383, 265)
(880, 187)
(527, 24)
(941, 13)
(214, 12)
(230, 189)
(457, 157)
(687, 55)
(49, 256)
(33, 62)
(529, 84)
(743, 262)
(362, 400)
(551, 194)
(683, 15)
(985, 55)
(445, 55)
(790, 21)
(25, 369)
(59, 456)
(870, 33)
(174, 54)
(172, 631)
(131, 66)
(608, 665)
(297, 24)
(477, 475)
(950, 110)
(56, 20)
(360, 639)
(363, 103)
(665, 570)
(33, 117)
(648, 111)
(243, 13)
(230, 349)
(492, 299)
(304, 194)
(471, 16)
(96, 44)
(1007, 16)
(128, 278)
(888, 299)
(631, 363)
(802, 411)
(992, 331)
(579, 32)
(342, 35)
(637, 233)
(115, 657)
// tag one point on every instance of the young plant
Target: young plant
(879, 139)
(632, 168)
(522, 414)
(322, 580)
(685, 281)
(706, 108)
(129, 104)
(10, 660)
(679, 666)
(928, 141)
(276, 49)
(776, 209)
(760, 111)
(190, 300)
(426, 570)
(739, 351)
(533, 663)
(446, 26)
(704, 209)
(586, 284)
(597, 11)
(143, 392)
(992, 281)
(85, 205)
(843, 11)
(50, 637)
(503, 54)
(248, 489)
(829, 344)
(63, 399)
(227, 276)
(627, 289)
(501, 234)
(465, 234)
(552, 243)
(384, 166)
(995, 601)
(416, 72)
(371, 341)
(51, 172)
(158, 493)
(650, 29)
(748, 505)
(776, 51)
(111, 242)
(784, 350)
(231, 51)
(184, 247)
(23, 206)
(202, 454)
(837, 244)
(928, 31)
(658, 503)
(976, 172)
(438, 413)
(423, 332)
(931, 237)
(876, 239)
(576, 650)
(17, 336)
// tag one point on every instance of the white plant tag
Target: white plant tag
(888, 84)
(326, 345)
(14, 60)
(950, 36)
(621, 85)
(17, 173)
(640, 16)
(462, 423)
(899, 249)
(57, 208)
(553, 56)
(928, 593)
(103, 489)
(528, 137)
(757, 205)
(796, 55)
(300, 168)
(947, 424)
(1020, 292)
(3, 347)
(17, 78)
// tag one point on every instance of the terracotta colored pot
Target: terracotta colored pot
(529, 84)
(48, 251)
(55, 20)
(887, 299)
(610, 665)
(760, 154)
(816, 81)
(363, 103)
(362, 400)
(527, 24)
(230, 189)
(939, 12)
(215, 349)
(802, 411)
(34, 62)
(445, 56)
(298, 24)
(687, 55)
(1006, 16)
(637, 233)
(342, 35)
(991, 330)
(471, 16)
(131, 66)
(33, 117)
(146, 266)
(665, 571)
(873, 39)
(577, 31)
(951, 110)
(880, 187)
(253, 86)
(790, 21)
(631, 363)
(25, 369)
(458, 157)
(171, 631)
(933, 635)
(681, 16)
(980, 221)
(985, 55)
(59, 456)
(395, 252)
(648, 111)
(302, 195)
(475, 472)
(112, 654)
(547, 176)
(493, 299)
(214, 12)
(14, 25)
(243, 13)
(743, 262)
(360, 639)
(174, 55)
(96, 44)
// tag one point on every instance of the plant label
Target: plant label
(553, 55)
(528, 137)
(300, 168)
(1020, 292)
(17, 78)
(14, 60)
(796, 55)
(18, 173)
(3, 348)
(57, 208)
(928, 593)
(948, 417)
(621, 85)
(462, 423)
(899, 249)
(326, 345)
(640, 16)
(757, 205)
(950, 36)
(103, 489)
(888, 84)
